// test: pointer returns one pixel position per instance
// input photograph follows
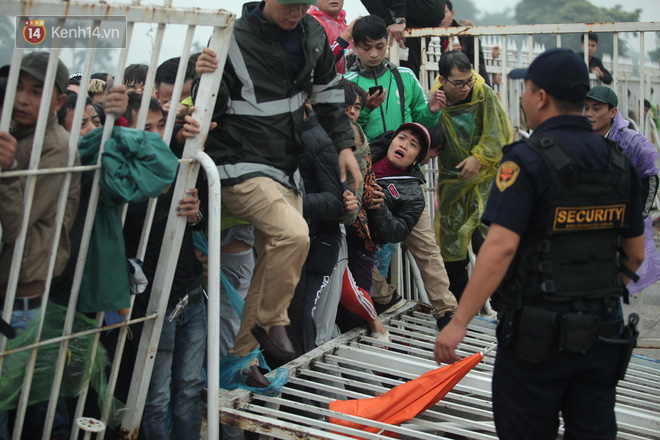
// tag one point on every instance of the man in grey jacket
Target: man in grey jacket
(278, 57)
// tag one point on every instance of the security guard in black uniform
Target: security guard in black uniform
(566, 235)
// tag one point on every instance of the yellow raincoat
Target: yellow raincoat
(479, 128)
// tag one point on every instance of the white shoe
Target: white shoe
(384, 337)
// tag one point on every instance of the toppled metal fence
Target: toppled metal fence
(221, 23)
(355, 366)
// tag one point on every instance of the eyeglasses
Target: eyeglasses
(461, 84)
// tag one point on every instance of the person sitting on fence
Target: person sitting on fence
(595, 64)
(601, 108)
(15, 152)
(477, 127)
(423, 246)
(400, 97)
(331, 15)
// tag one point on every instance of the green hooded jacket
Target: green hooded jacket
(416, 104)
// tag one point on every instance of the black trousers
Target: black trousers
(527, 398)
(419, 13)
(457, 270)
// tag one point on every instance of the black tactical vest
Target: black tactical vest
(576, 259)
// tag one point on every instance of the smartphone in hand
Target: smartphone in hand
(375, 90)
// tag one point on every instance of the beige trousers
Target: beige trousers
(281, 240)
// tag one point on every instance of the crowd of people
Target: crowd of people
(319, 141)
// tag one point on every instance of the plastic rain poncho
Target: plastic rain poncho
(85, 364)
(478, 128)
(135, 166)
(232, 367)
(642, 154)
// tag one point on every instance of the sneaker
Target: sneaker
(395, 304)
(444, 320)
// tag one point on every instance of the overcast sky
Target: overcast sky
(354, 8)
(173, 41)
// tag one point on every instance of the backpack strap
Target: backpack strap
(402, 93)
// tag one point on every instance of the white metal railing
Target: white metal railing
(193, 156)
(625, 82)
(511, 56)
(355, 366)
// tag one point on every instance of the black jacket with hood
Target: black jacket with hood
(319, 167)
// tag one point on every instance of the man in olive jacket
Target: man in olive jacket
(278, 57)
(42, 225)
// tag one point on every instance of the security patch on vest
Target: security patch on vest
(507, 174)
(392, 189)
(589, 217)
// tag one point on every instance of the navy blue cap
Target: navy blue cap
(560, 72)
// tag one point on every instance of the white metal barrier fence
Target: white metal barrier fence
(631, 88)
(193, 156)
(356, 366)
(625, 80)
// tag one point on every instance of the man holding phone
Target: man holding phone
(395, 95)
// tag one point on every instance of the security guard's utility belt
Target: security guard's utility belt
(541, 333)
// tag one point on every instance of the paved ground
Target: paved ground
(650, 321)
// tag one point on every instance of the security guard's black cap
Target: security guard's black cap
(560, 72)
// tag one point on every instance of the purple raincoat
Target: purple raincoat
(642, 154)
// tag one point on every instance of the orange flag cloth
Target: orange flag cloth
(405, 401)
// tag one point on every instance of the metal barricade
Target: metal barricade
(631, 82)
(356, 366)
(511, 56)
(221, 22)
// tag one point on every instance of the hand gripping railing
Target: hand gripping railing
(206, 96)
